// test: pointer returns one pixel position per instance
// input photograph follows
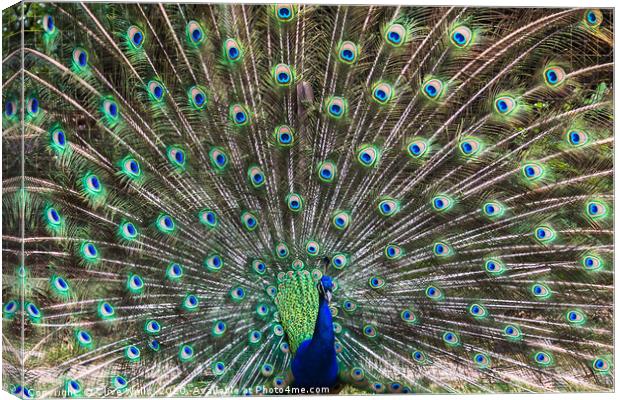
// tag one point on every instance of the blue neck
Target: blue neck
(315, 362)
(324, 329)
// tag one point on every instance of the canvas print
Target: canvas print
(262, 199)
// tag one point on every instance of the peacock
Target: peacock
(208, 199)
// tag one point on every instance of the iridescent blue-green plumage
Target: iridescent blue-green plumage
(191, 173)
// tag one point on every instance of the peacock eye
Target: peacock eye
(256, 177)
(92, 184)
(186, 353)
(543, 359)
(73, 388)
(482, 360)
(79, 58)
(478, 311)
(9, 309)
(232, 51)
(596, 209)
(249, 221)
(591, 263)
(395, 35)
(49, 25)
(266, 370)
(83, 338)
(135, 36)
(284, 136)
(348, 52)
(155, 90)
(105, 310)
(442, 202)
(349, 306)
(218, 368)
(545, 234)
(132, 353)
(262, 310)
(540, 291)
(493, 209)
(119, 382)
(110, 110)
(195, 33)
(593, 18)
(433, 88)
(279, 382)
(271, 291)
(434, 293)
(278, 330)
(312, 248)
(128, 231)
(219, 328)
(575, 317)
(214, 263)
(197, 97)
(341, 220)
(408, 316)
(10, 108)
(368, 155)
(357, 374)
(89, 252)
(239, 115)
(59, 285)
(451, 339)
(282, 250)
(174, 271)
(218, 158)
(601, 365)
(259, 266)
(470, 146)
(576, 138)
(370, 331)
(284, 12)
(152, 327)
(53, 217)
(165, 223)
(393, 252)
(494, 266)
(283, 75)
(339, 261)
(135, 284)
(382, 92)
(336, 107)
(505, 105)
(417, 148)
(176, 156)
(131, 168)
(208, 218)
(254, 337)
(554, 76)
(33, 312)
(461, 36)
(294, 202)
(419, 356)
(327, 171)
(190, 302)
(376, 282)
(512, 332)
(388, 207)
(533, 171)
(442, 249)
(32, 106)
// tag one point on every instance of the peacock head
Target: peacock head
(325, 286)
